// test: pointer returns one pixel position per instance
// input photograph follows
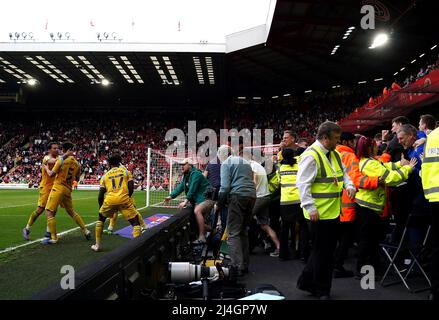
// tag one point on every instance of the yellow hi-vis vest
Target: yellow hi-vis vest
(391, 172)
(327, 187)
(289, 194)
(430, 167)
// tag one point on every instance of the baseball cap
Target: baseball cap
(187, 160)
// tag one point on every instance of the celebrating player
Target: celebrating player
(113, 219)
(117, 187)
(61, 194)
(45, 186)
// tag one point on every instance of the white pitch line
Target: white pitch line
(59, 234)
(20, 205)
(33, 203)
(26, 215)
(39, 240)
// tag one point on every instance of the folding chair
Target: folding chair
(394, 251)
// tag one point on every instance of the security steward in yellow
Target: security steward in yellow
(430, 183)
(371, 202)
(321, 178)
(290, 210)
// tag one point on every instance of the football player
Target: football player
(66, 172)
(117, 187)
(44, 187)
(113, 219)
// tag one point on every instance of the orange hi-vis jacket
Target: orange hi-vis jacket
(350, 161)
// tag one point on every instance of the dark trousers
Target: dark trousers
(346, 234)
(290, 215)
(316, 277)
(401, 198)
(435, 244)
(369, 225)
(238, 220)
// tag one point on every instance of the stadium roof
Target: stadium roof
(135, 79)
(134, 25)
(297, 56)
(294, 57)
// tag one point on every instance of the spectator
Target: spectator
(427, 123)
(262, 203)
(418, 203)
(399, 193)
(213, 174)
(394, 148)
(302, 144)
(194, 184)
(237, 185)
(381, 144)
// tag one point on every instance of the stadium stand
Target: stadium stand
(23, 145)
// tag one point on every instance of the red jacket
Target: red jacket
(351, 162)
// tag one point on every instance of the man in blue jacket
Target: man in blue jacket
(238, 190)
(419, 206)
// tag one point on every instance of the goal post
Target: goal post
(165, 172)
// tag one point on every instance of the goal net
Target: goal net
(163, 175)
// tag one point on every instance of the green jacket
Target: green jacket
(194, 184)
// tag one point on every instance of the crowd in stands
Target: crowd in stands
(22, 143)
(432, 64)
(324, 106)
(21, 155)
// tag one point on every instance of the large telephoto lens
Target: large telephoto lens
(183, 272)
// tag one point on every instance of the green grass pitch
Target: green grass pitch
(17, 205)
(29, 269)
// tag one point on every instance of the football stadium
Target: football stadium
(219, 150)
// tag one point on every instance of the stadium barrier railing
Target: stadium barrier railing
(133, 271)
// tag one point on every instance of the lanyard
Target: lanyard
(334, 173)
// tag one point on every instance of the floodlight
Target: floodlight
(379, 40)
